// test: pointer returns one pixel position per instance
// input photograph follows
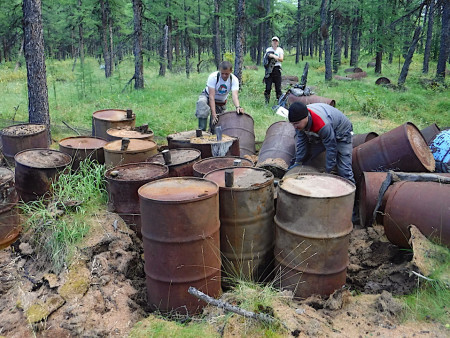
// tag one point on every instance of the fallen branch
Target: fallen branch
(71, 128)
(231, 308)
(128, 83)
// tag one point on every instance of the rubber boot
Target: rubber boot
(202, 122)
(267, 98)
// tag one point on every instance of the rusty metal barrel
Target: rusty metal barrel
(183, 139)
(311, 99)
(423, 204)
(246, 222)
(358, 75)
(240, 126)
(359, 139)
(180, 163)
(123, 183)
(278, 148)
(206, 165)
(133, 151)
(368, 192)
(36, 169)
(9, 216)
(430, 132)
(21, 137)
(211, 147)
(83, 147)
(181, 237)
(401, 149)
(313, 225)
(105, 119)
(119, 133)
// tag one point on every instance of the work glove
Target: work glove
(215, 119)
(240, 110)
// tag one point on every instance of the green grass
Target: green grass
(167, 103)
(56, 225)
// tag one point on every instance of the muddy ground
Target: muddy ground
(103, 293)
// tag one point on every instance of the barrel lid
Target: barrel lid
(112, 115)
(42, 158)
(317, 185)
(212, 163)
(24, 129)
(244, 177)
(128, 132)
(137, 172)
(6, 175)
(83, 142)
(135, 145)
(420, 147)
(185, 135)
(178, 156)
(178, 189)
(211, 139)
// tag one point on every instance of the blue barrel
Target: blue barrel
(440, 147)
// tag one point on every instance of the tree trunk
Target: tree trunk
(326, 39)
(186, 42)
(199, 40)
(240, 40)
(260, 34)
(354, 52)
(80, 34)
(337, 33)
(169, 39)
(216, 32)
(163, 52)
(137, 48)
(111, 40)
(177, 40)
(445, 41)
(104, 30)
(346, 41)
(35, 59)
(19, 56)
(409, 56)
(299, 31)
(426, 53)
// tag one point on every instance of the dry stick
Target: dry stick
(401, 176)
(71, 128)
(231, 308)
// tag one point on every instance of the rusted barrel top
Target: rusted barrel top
(42, 158)
(83, 142)
(182, 139)
(112, 115)
(25, 129)
(178, 156)
(136, 172)
(312, 99)
(209, 146)
(178, 189)
(245, 178)
(316, 185)
(206, 165)
(121, 132)
(134, 146)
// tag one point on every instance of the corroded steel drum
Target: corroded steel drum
(102, 120)
(211, 147)
(301, 169)
(9, 216)
(240, 126)
(181, 237)
(129, 132)
(358, 75)
(368, 192)
(278, 148)
(182, 161)
(423, 204)
(21, 137)
(401, 149)
(83, 147)
(36, 169)
(430, 132)
(183, 139)
(123, 183)
(359, 139)
(353, 70)
(246, 222)
(313, 225)
(206, 165)
(136, 151)
(311, 99)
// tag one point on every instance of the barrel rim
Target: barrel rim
(257, 187)
(203, 160)
(179, 201)
(133, 115)
(424, 161)
(109, 178)
(47, 149)
(234, 112)
(195, 160)
(115, 151)
(151, 134)
(81, 136)
(24, 124)
(319, 174)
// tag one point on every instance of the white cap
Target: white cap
(276, 38)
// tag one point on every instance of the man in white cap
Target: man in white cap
(276, 53)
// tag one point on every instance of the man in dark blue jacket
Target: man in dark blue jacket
(320, 127)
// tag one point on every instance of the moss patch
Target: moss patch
(77, 284)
